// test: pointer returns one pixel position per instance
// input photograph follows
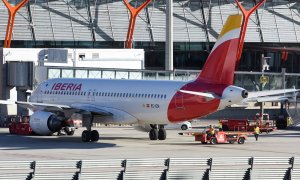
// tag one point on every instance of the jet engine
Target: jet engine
(45, 123)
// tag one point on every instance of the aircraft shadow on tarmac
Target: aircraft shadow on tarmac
(19, 142)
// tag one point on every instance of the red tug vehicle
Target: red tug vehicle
(221, 137)
(20, 125)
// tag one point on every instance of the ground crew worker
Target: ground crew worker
(211, 131)
(220, 125)
(256, 132)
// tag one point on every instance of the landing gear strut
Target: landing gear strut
(155, 134)
(89, 134)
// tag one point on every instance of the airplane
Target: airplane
(154, 103)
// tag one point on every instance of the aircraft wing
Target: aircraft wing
(91, 108)
(59, 107)
(271, 95)
(42, 106)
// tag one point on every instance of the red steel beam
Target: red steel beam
(246, 16)
(12, 11)
(133, 15)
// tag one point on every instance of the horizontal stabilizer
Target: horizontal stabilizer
(271, 92)
(271, 95)
(207, 95)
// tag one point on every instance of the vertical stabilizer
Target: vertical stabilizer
(220, 65)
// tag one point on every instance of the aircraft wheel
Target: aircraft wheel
(94, 136)
(86, 136)
(71, 133)
(162, 134)
(241, 140)
(153, 134)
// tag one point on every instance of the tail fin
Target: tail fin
(220, 65)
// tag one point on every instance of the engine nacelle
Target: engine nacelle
(45, 123)
(232, 95)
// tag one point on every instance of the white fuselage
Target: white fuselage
(144, 101)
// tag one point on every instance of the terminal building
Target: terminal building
(273, 32)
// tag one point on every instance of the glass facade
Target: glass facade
(191, 55)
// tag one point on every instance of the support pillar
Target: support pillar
(12, 11)
(169, 36)
(133, 15)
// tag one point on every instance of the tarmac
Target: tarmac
(125, 142)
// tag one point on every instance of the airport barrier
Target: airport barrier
(295, 171)
(109, 169)
(155, 168)
(188, 168)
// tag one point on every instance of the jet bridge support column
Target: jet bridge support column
(133, 15)
(12, 11)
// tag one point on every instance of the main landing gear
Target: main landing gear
(89, 134)
(155, 134)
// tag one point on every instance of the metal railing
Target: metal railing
(155, 168)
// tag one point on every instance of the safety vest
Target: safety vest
(212, 130)
(256, 130)
(220, 125)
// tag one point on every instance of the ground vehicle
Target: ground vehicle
(21, 125)
(221, 137)
(183, 125)
(264, 123)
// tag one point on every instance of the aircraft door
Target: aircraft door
(91, 95)
(39, 96)
(179, 100)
